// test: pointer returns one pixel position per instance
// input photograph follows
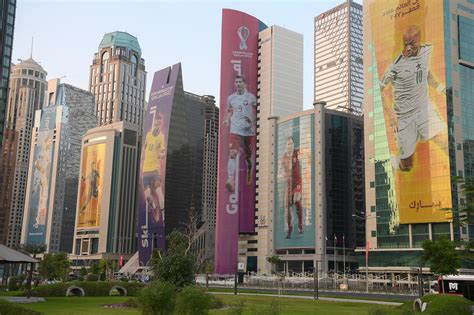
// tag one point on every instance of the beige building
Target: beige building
(280, 93)
(27, 94)
(338, 67)
(118, 79)
(106, 204)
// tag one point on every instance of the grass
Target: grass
(438, 304)
(254, 305)
(81, 305)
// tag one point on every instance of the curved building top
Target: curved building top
(121, 39)
(28, 64)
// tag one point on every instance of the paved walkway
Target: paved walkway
(306, 297)
(22, 299)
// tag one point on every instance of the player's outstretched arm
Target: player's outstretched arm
(433, 82)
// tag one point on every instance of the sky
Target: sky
(67, 33)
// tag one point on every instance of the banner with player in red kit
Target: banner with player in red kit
(237, 135)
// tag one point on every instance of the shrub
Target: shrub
(92, 277)
(98, 288)
(157, 299)
(14, 283)
(8, 308)
(193, 301)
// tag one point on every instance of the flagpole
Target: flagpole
(335, 258)
(344, 254)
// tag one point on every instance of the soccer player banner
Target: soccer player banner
(152, 178)
(237, 135)
(41, 186)
(407, 45)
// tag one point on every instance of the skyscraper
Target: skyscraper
(171, 169)
(419, 74)
(54, 167)
(7, 15)
(338, 67)
(280, 94)
(118, 79)
(27, 94)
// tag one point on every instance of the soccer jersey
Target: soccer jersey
(154, 146)
(409, 77)
(243, 113)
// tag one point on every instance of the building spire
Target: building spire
(31, 51)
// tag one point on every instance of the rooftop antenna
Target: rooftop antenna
(31, 51)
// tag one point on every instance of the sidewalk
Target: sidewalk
(311, 298)
(22, 299)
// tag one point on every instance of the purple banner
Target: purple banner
(237, 133)
(152, 179)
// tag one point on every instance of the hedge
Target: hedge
(100, 288)
(8, 308)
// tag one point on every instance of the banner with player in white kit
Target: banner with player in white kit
(235, 211)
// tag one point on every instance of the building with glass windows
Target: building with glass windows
(419, 78)
(27, 94)
(338, 68)
(7, 26)
(118, 79)
(54, 166)
(316, 192)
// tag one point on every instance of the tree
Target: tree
(177, 265)
(274, 261)
(207, 267)
(441, 256)
(54, 266)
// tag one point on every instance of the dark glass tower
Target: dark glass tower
(7, 26)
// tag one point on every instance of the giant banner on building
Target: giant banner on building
(237, 133)
(91, 187)
(294, 185)
(409, 61)
(40, 188)
(152, 178)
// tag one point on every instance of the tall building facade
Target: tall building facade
(50, 205)
(118, 80)
(106, 203)
(316, 186)
(338, 54)
(171, 169)
(27, 94)
(280, 52)
(209, 180)
(409, 184)
(7, 26)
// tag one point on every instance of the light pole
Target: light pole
(316, 280)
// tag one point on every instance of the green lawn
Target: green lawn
(80, 305)
(93, 305)
(298, 306)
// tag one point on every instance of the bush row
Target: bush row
(8, 308)
(90, 288)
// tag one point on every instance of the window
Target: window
(134, 65)
(104, 62)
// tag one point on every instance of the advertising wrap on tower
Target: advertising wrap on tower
(294, 197)
(237, 135)
(91, 185)
(41, 186)
(410, 108)
(152, 175)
